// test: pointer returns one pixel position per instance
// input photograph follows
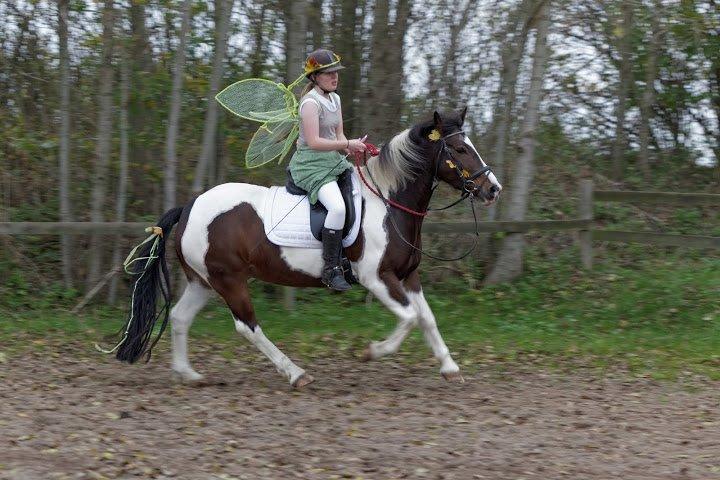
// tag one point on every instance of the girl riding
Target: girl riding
(317, 163)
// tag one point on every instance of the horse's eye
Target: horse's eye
(461, 149)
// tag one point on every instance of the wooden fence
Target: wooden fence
(588, 196)
(584, 225)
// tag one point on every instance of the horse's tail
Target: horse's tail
(152, 276)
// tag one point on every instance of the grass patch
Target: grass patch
(655, 317)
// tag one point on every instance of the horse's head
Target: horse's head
(456, 161)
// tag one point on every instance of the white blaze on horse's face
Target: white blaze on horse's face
(491, 176)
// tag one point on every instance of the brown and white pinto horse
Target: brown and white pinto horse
(221, 244)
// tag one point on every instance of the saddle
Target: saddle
(318, 212)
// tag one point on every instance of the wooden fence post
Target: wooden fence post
(289, 298)
(585, 208)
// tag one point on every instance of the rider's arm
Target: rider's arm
(310, 118)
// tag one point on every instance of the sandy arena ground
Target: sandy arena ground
(70, 416)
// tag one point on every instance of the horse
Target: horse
(221, 244)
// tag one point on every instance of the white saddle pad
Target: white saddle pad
(287, 218)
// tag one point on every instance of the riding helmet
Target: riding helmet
(322, 60)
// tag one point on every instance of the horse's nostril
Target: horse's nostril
(493, 189)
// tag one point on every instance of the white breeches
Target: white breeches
(329, 195)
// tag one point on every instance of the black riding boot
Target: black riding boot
(332, 273)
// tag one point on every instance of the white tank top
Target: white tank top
(329, 110)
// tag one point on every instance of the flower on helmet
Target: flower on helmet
(311, 65)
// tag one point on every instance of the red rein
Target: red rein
(374, 152)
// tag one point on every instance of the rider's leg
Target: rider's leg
(332, 275)
(330, 196)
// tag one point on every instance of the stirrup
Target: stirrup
(334, 279)
(347, 271)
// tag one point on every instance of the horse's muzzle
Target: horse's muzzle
(489, 197)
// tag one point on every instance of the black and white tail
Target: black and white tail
(151, 276)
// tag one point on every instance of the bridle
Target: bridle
(468, 179)
(469, 188)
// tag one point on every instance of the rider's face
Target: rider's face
(328, 81)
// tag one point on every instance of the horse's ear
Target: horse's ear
(437, 119)
(462, 115)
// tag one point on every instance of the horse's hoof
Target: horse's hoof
(190, 378)
(303, 380)
(366, 355)
(454, 377)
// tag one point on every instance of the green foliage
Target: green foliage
(655, 317)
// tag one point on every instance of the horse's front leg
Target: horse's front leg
(390, 291)
(448, 368)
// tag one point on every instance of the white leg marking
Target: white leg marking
(182, 314)
(392, 343)
(432, 334)
(407, 319)
(282, 363)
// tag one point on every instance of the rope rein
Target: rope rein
(374, 152)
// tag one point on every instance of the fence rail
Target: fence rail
(661, 239)
(72, 228)
(584, 225)
(657, 198)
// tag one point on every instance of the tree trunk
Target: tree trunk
(511, 59)
(620, 145)
(458, 22)
(518, 31)
(384, 97)
(170, 179)
(295, 38)
(64, 156)
(648, 97)
(124, 166)
(509, 263)
(104, 139)
(259, 56)
(211, 114)
(315, 23)
(346, 42)
(140, 121)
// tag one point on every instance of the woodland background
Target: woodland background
(107, 108)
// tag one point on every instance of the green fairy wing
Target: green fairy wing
(272, 140)
(259, 100)
(272, 104)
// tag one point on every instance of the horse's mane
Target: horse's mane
(406, 156)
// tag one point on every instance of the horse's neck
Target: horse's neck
(415, 196)
(416, 193)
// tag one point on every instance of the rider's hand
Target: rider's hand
(356, 145)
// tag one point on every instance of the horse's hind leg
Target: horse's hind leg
(236, 294)
(182, 315)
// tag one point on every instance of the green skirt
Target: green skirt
(311, 169)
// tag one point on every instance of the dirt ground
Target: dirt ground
(69, 416)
